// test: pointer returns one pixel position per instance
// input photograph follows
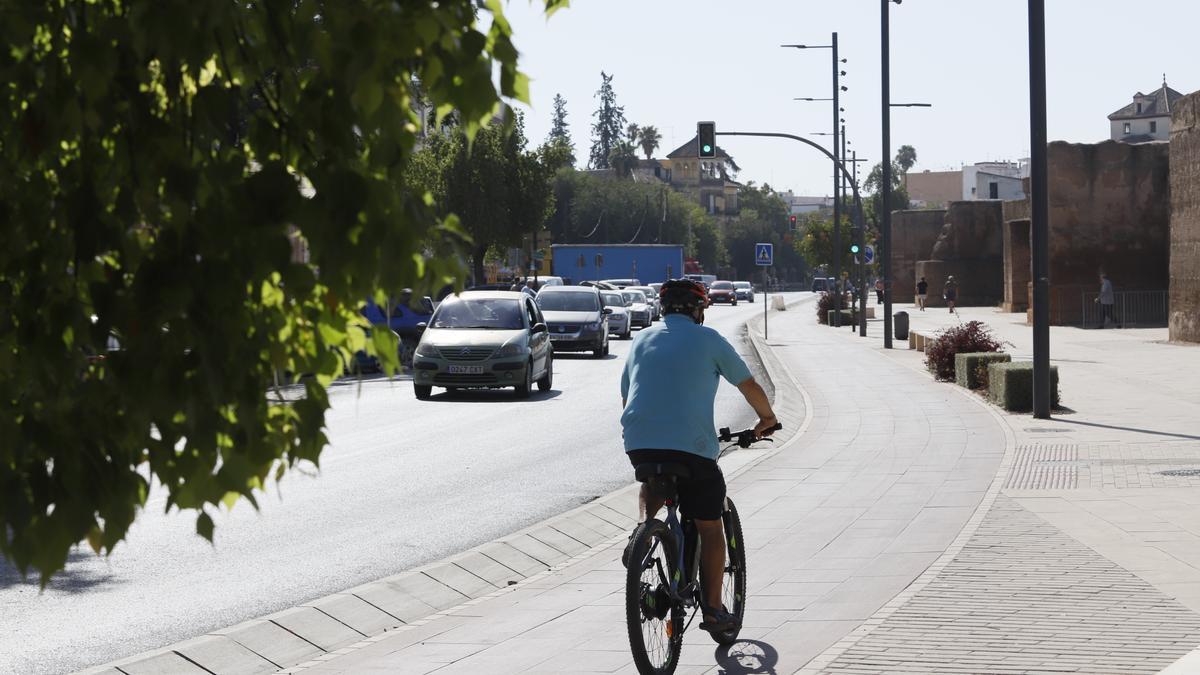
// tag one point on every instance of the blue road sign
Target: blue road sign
(764, 254)
(869, 254)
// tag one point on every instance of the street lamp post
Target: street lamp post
(1040, 207)
(886, 164)
(837, 210)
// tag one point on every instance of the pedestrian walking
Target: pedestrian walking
(950, 293)
(879, 291)
(1106, 300)
(922, 291)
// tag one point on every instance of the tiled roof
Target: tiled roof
(689, 150)
(1157, 104)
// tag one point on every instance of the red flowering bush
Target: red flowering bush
(968, 338)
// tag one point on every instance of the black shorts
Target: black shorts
(702, 496)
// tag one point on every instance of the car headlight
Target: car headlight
(426, 349)
(511, 349)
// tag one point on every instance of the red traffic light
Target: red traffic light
(792, 220)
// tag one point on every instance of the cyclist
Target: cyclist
(668, 389)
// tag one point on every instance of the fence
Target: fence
(1130, 308)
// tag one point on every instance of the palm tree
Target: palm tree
(631, 132)
(623, 159)
(648, 138)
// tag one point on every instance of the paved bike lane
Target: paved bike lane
(887, 472)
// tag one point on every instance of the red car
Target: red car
(722, 291)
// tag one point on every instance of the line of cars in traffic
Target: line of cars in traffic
(490, 338)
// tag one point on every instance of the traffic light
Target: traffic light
(707, 134)
(792, 221)
(854, 249)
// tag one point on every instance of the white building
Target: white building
(994, 180)
(798, 205)
(1146, 118)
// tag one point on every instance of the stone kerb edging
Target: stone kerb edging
(315, 632)
(823, 660)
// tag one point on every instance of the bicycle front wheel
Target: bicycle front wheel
(653, 617)
(733, 585)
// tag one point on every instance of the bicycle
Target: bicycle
(662, 579)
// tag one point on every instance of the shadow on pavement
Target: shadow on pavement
(582, 356)
(1133, 429)
(488, 395)
(75, 577)
(747, 656)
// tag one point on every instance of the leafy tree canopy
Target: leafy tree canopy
(161, 163)
(609, 126)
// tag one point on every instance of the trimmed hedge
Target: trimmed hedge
(967, 366)
(847, 318)
(1010, 385)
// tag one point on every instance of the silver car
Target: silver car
(484, 339)
(651, 299)
(576, 318)
(744, 290)
(639, 311)
(618, 321)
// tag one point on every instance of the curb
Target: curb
(325, 628)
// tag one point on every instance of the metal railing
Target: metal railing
(1130, 309)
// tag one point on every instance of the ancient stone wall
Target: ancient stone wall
(913, 235)
(971, 249)
(1184, 302)
(1109, 211)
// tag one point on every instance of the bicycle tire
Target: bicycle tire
(653, 539)
(733, 585)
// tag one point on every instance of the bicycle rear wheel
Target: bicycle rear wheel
(654, 620)
(733, 584)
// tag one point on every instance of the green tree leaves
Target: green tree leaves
(197, 199)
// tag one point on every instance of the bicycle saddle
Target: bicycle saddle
(651, 470)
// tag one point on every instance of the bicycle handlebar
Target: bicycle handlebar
(745, 437)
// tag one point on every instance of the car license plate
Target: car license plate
(465, 370)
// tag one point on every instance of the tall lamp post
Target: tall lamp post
(886, 164)
(837, 210)
(1039, 216)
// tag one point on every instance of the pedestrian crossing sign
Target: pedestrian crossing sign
(764, 254)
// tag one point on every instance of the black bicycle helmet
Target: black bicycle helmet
(682, 296)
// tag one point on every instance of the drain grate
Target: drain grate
(1180, 472)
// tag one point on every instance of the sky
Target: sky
(675, 62)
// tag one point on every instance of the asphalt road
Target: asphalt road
(403, 483)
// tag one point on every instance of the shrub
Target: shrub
(824, 307)
(970, 366)
(1010, 385)
(970, 337)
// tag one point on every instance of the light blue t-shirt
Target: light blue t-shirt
(670, 382)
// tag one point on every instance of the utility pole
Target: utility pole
(886, 163)
(1040, 216)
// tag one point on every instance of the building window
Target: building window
(1154, 127)
(1139, 108)
(993, 191)
(1127, 130)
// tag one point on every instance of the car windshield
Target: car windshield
(568, 301)
(613, 300)
(490, 313)
(722, 285)
(645, 290)
(634, 296)
(741, 284)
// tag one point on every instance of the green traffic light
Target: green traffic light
(854, 248)
(707, 147)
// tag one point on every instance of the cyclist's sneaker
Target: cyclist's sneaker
(718, 620)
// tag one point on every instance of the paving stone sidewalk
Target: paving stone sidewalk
(889, 471)
(1089, 559)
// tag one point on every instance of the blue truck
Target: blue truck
(648, 263)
